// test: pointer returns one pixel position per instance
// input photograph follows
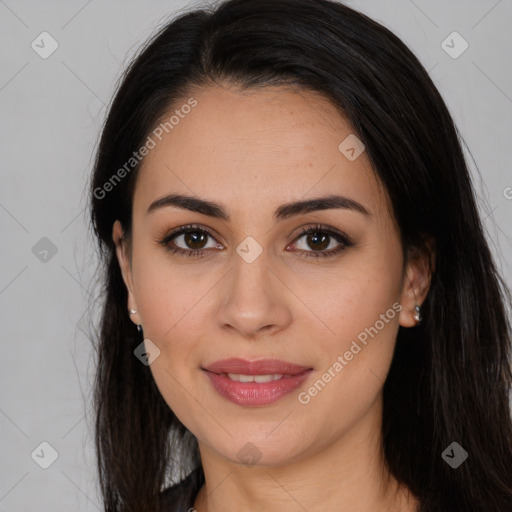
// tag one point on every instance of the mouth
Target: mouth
(240, 377)
(255, 383)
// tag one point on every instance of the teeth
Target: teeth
(254, 378)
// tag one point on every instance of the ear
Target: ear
(123, 258)
(416, 284)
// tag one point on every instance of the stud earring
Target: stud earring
(417, 314)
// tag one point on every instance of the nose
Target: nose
(255, 302)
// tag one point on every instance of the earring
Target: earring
(417, 315)
(132, 312)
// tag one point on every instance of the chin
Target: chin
(261, 451)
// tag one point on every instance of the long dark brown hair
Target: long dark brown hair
(450, 377)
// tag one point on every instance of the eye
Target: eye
(319, 238)
(193, 238)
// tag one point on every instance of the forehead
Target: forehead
(255, 147)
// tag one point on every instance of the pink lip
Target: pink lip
(261, 367)
(255, 394)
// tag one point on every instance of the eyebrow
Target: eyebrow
(218, 211)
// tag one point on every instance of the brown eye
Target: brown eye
(318, 241)
(194, 239)
(188, 240)
(319, 238)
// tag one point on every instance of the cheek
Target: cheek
(168, 300)
(364, 326)
(353, 362)
(168, 296)
(360, 308)
(353, 296)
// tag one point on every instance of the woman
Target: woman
(301, 309)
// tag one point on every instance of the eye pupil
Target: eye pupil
(191, 239)
(315, 237)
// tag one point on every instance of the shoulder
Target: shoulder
(180, 497)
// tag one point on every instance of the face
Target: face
(249, 284)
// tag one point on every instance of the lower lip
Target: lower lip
(253, 394)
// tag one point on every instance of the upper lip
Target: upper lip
(261, 367)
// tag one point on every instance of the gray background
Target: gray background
(51, 115)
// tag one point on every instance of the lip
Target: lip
(261, 367)
(254, 394)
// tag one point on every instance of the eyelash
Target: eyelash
(318, 228)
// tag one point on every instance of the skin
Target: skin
(253, 151)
